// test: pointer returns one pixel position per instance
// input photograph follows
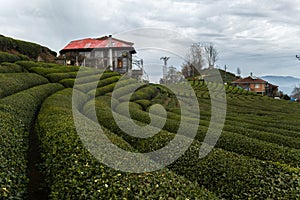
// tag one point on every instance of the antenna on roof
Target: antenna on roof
(298, 56)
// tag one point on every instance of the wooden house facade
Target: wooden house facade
(255, 84)
(101, 53)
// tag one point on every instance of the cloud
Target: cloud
(254, 35)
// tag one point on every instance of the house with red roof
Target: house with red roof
(101, 53)
(258, 85)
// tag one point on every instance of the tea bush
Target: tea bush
(11, 83)
(230, 175)
(7, 67)
(73, 173)
(17, 113)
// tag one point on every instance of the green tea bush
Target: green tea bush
(68, 83)
(17, 113)
(44, 71)
(144, 93)
(100, 83)
(25, 104)
(228, 174)
(28, 64)
(7, 67)
(144, 103)
(57, 77)
(13, 164)
(9, 57)
(73, 173)
(11, 83)
(102, 90)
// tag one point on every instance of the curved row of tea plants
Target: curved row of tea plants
(230, 175)
(17, 113)
(11, 83)
(73, 173)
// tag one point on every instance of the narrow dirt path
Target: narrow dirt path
(37, 189)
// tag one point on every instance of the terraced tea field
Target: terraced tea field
(256, 157)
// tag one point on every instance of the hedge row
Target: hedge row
(110, 88)
(14, 145)
(72, 172)
(17, 113)
(233, 126)
(98, 75)
(11, 83)
(9, 57)
(44, 71)
(87, 75)
(7, 67)
(230, 175)
(97, 84)
(28, 64)
(230, 141)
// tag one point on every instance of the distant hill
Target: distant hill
(285, 83)
(12, 49)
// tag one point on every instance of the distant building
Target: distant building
(255, 84)
(101, 53)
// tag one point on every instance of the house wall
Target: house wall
(258, 87)
(100, 59)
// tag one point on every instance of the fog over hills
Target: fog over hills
(285, 83)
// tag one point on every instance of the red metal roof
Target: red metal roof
(253, 79)
(91, 43)
(250, 79)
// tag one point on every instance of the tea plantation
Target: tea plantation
(257, 155)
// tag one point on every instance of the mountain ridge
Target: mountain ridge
(285, 83)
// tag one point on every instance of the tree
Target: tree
(296, 92)
(193, 61)
(211, 55)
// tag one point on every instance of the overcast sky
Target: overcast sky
(259, 36)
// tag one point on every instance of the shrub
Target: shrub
(25, 104)
(68, 83)
(28, 64)
(17, 113)
(14, 145)
(146, 92)
(72, 173)
(8, 57)
(6, 67)
(102, 90)
(98, 84)
(230, 175)
(57, 77)
(11, 83)
(144, 103)
(44, 71)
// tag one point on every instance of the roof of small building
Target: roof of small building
(92, 43)
(253, 79)
(250, 79)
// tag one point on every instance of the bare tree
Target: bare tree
(194, 61)
(296, 92)
(211, 55)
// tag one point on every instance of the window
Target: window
(257, 86)
(120, 63)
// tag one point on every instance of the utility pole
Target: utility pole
(165, 67)
(225, 75)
